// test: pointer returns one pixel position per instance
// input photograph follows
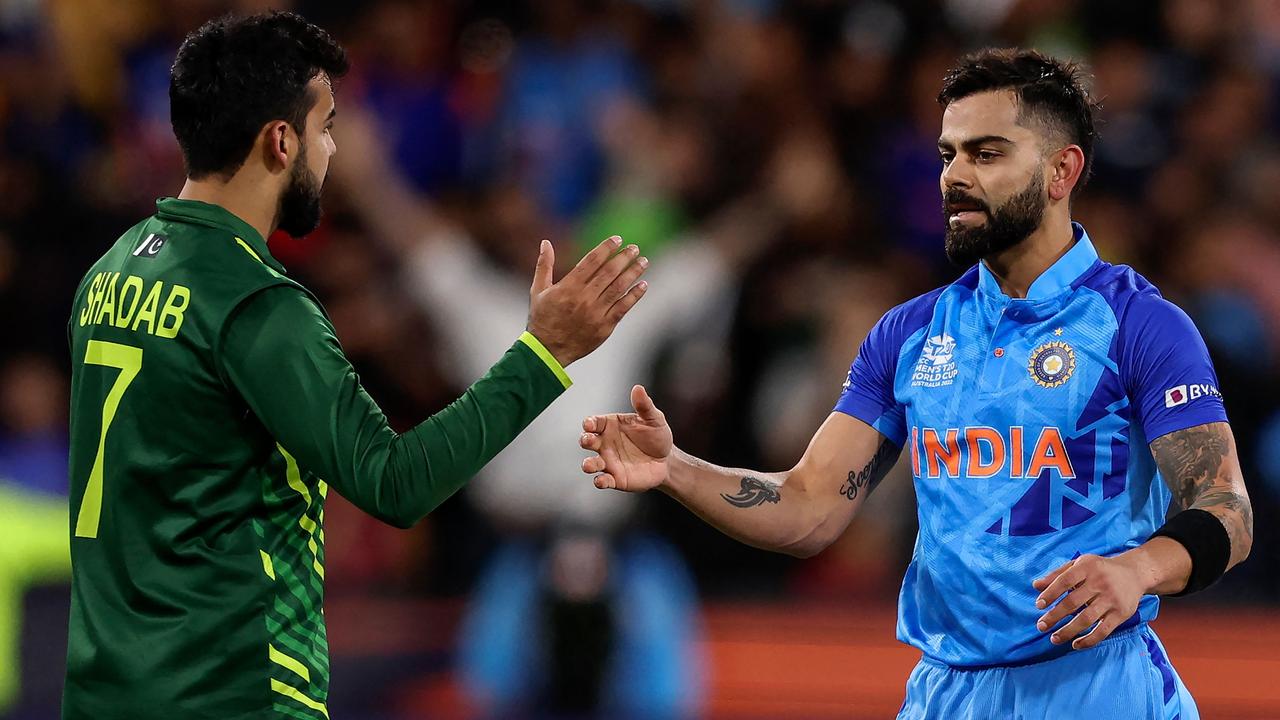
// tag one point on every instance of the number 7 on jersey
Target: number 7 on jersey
(129, 360)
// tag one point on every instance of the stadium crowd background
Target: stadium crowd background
(785, 147)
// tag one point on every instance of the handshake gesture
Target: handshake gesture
(573, 317)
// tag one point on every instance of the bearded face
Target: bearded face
(300, 202)
(997, 230)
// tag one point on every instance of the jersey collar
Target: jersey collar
(202, 213)
(1060, 275)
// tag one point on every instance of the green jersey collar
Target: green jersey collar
(202, 213)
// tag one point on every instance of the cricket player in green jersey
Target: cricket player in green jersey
(212, 406)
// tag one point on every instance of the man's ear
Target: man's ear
(279, 144)
(1064, 173)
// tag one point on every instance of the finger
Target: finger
(1074, 601)
(591, 262)
(625, 280)
(1100, 632)
(644, 404)
(613, 269)
(628, 301)
(1079, 624)
(1043, 582)
(593, 465)
(605, 481)
(1061, 584)
(594, 424)
(589, 441)
(542, 272)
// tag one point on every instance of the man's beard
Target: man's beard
(1009, 225)
(300, 202)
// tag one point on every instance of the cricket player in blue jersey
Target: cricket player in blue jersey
(1053, 406)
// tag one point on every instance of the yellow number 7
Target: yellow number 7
(129, 360)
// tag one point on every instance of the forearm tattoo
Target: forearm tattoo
(872, 473)
(754, 491)
(1194, 465)
(1191, 461)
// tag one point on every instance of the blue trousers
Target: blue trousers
(1125, 677)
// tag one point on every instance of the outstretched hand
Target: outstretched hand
(631, 449)
(572, 317)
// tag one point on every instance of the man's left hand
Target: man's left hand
(1102, 592)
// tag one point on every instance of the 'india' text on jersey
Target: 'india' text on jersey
(1027, 423)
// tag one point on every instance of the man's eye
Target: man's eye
(987, 155)
(946, 159)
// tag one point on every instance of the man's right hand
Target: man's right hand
(631, 448)
(572, 317)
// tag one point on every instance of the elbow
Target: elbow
(1246, 540)
(1242, 534)
(819, 533)
(810, 545)
(403, 522)
(804, 550)
(396, 517)
(402, 515)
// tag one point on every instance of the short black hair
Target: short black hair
(235, 74)
(1049, 90)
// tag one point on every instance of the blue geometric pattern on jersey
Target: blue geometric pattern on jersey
(1027, 423)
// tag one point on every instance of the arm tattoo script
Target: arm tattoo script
(1193, 463)
(753, 492)
(872, 473)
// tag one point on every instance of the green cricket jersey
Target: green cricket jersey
(212, 409)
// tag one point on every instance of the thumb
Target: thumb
(643, 404)
(543, 270)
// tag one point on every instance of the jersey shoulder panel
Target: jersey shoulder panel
(1121, 286)
(1165, 366)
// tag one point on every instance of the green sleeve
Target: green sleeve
(281, 354)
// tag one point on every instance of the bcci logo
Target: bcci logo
(937, 365)
(1052, 364)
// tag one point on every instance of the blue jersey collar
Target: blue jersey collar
(1058, 277)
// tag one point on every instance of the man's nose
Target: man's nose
(958, 174)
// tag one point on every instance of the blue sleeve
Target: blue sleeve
(1166, 369)
(868, 392)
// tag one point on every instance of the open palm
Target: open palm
(631, 449)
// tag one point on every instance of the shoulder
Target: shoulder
(284, 317)
(1136, 302)
(225, 267)
(284, 304)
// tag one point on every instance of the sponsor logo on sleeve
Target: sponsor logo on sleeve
(1183, 394)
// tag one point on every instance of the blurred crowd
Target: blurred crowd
(775, 160)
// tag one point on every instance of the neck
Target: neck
(1019, 266)
(239, 197)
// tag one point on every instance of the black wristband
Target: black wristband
(1206, 540)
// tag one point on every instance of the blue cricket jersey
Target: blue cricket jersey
(1028, 422)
